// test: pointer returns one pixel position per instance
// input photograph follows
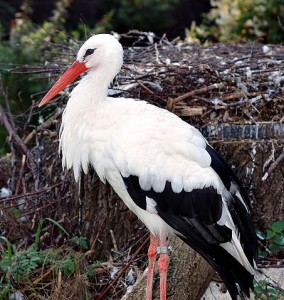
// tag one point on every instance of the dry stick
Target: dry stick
(20, 146)
(8, 107)
(9, 124)
(121, 272)
(171, 102)
(44, 125)
(145, 87)
(41, 191)
(239, 94)
(199, 91)
(273, 166)
(17, 141)
(39, 279)
(221, 103)
(20, 174)
(270, 266)
(91, 250)
(113, 241)
(30, 114)
(15, 222)
(38, 208)
(59, 284)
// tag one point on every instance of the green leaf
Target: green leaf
(81, 241)
(275, 248)
(278, 226)
(58, 225)
(5, 290)
(33, 265)
(261, 252)
(270, 234)
(25, 263)
(9, 248)
(278, 239)
(15, 212)
(35, 259)
(67, 266)
(258, 289)
(37, 236)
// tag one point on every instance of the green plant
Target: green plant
(266, 291)
(273, 237)
(272, 242)
(17, 264)
(242, 20)
(28, 49)
(67, 266)
(81, 242)
(145, 15)
(21, 264)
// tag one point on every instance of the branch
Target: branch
(44, 125)
(122, 271)
(273, 166)
(199, 91)
(14, 138)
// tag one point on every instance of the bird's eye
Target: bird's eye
(89, 52)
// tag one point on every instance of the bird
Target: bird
(162, 168)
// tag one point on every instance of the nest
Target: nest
(240, 84)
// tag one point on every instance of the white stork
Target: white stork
(161, 167)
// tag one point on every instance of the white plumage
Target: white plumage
(146, 154)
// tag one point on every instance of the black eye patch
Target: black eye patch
(89, 52)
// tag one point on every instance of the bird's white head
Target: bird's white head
(102, 53)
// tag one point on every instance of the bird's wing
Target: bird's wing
(169, 169)
(157, 146)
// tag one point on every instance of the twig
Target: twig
(121, 272)
(41, 191)
(39, 279)
(44, 125)
(20, 174)
(113, 241)
(273, 166)
(30, 114)
(18, 143)
(199, 91)
(217, 101)
(8, 107)
(145, 87)
(269, 266)
(91, 251)
(157, 54)
(271, 157)
(59, 284)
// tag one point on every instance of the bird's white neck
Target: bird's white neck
(92, 89)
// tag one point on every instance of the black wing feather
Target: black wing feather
(241, 215)
(194, 217)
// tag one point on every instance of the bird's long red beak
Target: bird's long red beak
(70, 75)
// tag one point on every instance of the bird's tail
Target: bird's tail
(237, 274)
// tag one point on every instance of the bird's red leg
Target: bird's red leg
(152, 255)
(163, 265)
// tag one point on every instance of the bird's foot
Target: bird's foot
(163, 265)
(152, 255)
